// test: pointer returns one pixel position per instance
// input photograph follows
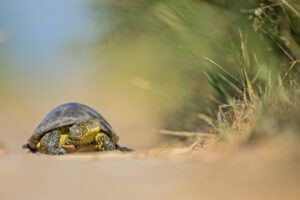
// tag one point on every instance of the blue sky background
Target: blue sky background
(39, 35)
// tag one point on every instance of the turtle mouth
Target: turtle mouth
(95, 129)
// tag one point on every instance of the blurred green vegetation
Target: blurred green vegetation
(189, 57)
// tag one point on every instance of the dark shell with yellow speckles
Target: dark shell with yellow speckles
(68, 114)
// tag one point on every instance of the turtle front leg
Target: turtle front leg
(51, 144)
(104, 143)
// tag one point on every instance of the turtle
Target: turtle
(73, 124)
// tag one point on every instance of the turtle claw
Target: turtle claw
(62, 151)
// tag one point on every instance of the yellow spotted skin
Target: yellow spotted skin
(50, 143)
(87, 132)
(104, 143)
(63, 139)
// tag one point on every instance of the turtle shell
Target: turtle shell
(68, 114)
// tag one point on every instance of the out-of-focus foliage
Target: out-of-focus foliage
(191, 56)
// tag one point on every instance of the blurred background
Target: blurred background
(49, 56)
(225, 69)
(144, 65)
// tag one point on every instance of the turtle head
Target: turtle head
(85, 131)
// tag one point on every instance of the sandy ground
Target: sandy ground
(223, 173)
(152, 174)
